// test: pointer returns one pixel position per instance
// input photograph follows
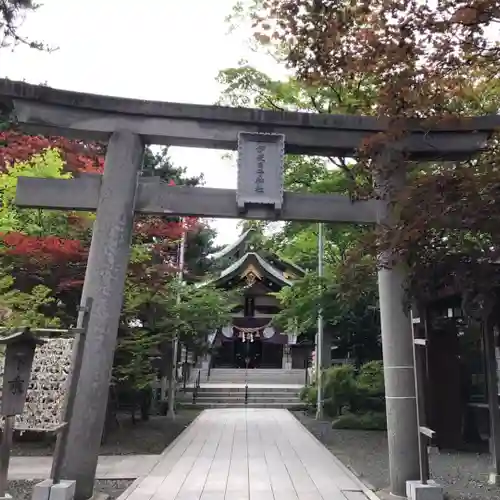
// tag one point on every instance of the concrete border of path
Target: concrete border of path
(110, 467)
(138, 481)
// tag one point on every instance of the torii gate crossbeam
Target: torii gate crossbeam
(155, 197)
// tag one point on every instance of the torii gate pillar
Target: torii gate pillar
(104, 282)
(397, 348)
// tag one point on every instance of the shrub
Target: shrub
(370, 379)
(369, 421)
(309, 394)
(362, 396)
(369, 388)
(339, 388)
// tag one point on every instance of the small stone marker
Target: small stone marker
(19, 353)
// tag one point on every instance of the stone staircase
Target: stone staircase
(252, 376)
(258, 388)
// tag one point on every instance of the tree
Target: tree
(77, 156)
(431, 61)
(200, 240)
(20, 309)
(49, 248)
(43, 247)
(45, 253)
(352, 319)
(11, 14)
(424, 59)
(153, 315)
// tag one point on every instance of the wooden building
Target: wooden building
(251, 340)
(456, 389)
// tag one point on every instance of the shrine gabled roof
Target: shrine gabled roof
(251, 259)
(233, 247)
(288, 264)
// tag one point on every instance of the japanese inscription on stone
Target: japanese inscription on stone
(16, 377)
(260, 169)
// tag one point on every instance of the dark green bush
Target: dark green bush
(303, 393)
(369, 421)
(309, 395)
(370, 379)
(339, 388)
(370, 394)
(360, 397)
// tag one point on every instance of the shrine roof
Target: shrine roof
(251, 259)
(274, 260)
(287, 264)
(232, 247)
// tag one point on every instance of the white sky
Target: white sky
(167, 50)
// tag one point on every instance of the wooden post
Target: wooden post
(494, 411)
(319, 335)
(420, 345)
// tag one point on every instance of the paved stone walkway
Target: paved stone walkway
(246, 454)
(109, 467)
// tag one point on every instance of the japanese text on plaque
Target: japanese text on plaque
(259, 180)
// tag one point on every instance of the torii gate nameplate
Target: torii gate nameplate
(260, 170)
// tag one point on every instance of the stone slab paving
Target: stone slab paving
(108, 467)
(247, 454)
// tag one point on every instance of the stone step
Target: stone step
(262, 395)
(255, 370)
(241, 402)
(237, 390)
(237, 380)
(242, 405)
(231, 373)
(229, 399)
(254, 375)
(283, 380)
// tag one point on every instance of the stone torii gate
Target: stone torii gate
(120, 192)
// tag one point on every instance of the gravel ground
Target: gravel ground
(21, 490)
(143, 438)
(463, 475)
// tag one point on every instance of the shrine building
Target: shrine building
(251, 340)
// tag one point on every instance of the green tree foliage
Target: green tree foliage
(154, 315)
(19, 309)
(42, 248)
(34, 222)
